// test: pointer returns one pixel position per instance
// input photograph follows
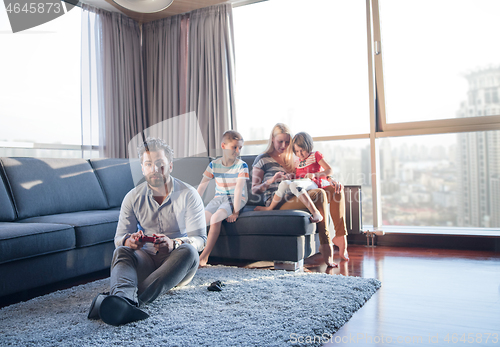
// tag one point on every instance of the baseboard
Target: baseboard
(460, 242)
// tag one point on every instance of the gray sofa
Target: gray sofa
(58, 218)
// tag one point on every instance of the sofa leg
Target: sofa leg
(289, 265)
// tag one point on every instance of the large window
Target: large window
(419, 132)
(305, 68)
(40, 88)
(350, 162)
(437, 73)
(441, 180)
(431, 49)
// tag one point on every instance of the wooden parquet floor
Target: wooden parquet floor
(429, 297)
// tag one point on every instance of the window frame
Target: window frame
(438, 126)
(381, 128)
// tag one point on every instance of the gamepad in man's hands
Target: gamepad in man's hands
(152, 239)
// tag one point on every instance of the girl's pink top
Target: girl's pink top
(311, 165)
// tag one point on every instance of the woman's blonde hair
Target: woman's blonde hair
(278, 129)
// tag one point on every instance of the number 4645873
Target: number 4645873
(471, 338)
(35, 7)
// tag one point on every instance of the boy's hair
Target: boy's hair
(153, 145)
(304, 141)
(231, 135)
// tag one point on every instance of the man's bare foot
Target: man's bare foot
(316, 217)
(262, 208)
(341, 243)
(326, 251)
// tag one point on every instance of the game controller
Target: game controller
(148, 239)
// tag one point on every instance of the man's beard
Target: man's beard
(156, 180)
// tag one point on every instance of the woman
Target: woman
(275, 165)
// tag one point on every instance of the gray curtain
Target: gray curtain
(189, 67)
(211, 73)
(117, 42)
(163, 50)
(178, 85)
(165, 70)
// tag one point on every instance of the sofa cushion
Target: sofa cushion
(264, 247)
(54, 267)
(50, 186)
(115, 178)
(25, 240)
(7, 212)
(276, 223)
(91, 227)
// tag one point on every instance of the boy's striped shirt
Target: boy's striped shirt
(227, 176)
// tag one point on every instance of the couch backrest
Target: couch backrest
(253, 199)
(190, 170)
(115, 177)
(49, 186)
(7, 211)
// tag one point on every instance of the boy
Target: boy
(230, 175)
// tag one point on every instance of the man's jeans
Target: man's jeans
(141, 277)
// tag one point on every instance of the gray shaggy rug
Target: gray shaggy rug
(255, 308)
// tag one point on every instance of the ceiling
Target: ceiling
(177, 7)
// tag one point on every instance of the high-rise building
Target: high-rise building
(478, 154)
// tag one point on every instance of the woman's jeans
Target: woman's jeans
(321, 197)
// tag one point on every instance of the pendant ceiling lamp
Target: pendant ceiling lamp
(144, 6)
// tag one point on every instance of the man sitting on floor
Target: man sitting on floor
(160, 232)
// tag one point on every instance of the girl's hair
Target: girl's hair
(304, 141)
(281, 128)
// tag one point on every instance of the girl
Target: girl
(311, 172)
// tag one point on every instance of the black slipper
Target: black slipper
(216, 286)
(94, 307)
(116, 310)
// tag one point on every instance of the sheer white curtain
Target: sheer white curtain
(112, 58)
(92, 111)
